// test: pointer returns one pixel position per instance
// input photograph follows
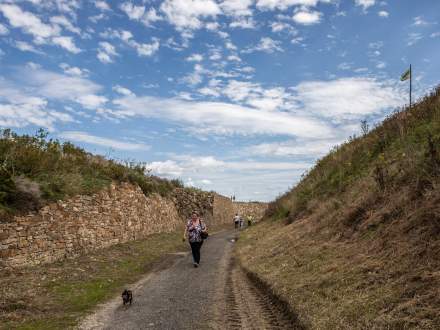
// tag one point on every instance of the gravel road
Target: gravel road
(217, 295)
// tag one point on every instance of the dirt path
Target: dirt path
(217, 295)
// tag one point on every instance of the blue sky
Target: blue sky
(236, 96)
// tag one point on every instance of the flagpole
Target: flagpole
(410, 86)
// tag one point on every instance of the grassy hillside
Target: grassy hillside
(356, 244)
(35, 170)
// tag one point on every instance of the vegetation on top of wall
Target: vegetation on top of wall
(35, 170)
(403, 151)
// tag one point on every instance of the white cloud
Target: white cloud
(381, 65)
(28, 22)
(102, 5)
(306, 17)
(133, 12)
(281, 26)
(145, 49)
(3, 30)
(266, 45)
(232, 177)
(66, 43)
(284, 4)
(419, 21)
(188, 14)
(435, 35)
(413, 38)
(60, 87)
(347, 97)
(237, 7)
(43, 33)
(142, 49)
(139, 13)
(19, 109)
(26, 47)
(234, 58)
(64, 22)
(106, 52)
(365, 3)
(309, 148)
(73, 70)
(196, 77)
(383, 14)
(85, 137)
(243, 23)
(122, 90)
(195, 58)
(220, 117)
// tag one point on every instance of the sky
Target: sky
(236, 96)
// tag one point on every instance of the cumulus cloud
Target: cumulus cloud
(3, 30)
(20, 109)
(102, 5)
(195, 58)
(365, 3)
(122, 90)
(66, 23)
(267, 45)
(237, 7)
(85, 137)
(73, 70)
(66, 43)
(106, 52)
(189, 14)
(42, 33)
(383, 13)
(26, 47)
(139, 13)
(306, 17)
(142, 49)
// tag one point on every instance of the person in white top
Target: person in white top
(237, 220)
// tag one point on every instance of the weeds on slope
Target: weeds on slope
(35, 170)
(404, 150)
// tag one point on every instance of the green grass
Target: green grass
(55, 296)
(35, 170)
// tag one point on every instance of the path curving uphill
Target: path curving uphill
(217, 295)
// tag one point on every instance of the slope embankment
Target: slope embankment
(356, 244)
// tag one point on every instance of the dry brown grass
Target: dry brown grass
(356, 245)
(384, 275)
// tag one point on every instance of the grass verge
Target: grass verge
(56, 296)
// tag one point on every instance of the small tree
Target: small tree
(364, 127)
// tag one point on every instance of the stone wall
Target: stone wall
(117, 214)
(256, 209)
(223, 210)
(69, 228)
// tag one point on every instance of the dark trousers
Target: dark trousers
(195, 249)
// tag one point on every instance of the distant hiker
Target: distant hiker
(237, 220)
(241, 222)
(250, 218)
(193, 232)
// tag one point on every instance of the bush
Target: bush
(59, 170)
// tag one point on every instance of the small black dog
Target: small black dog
(127, 296)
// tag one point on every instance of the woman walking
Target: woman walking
(193, 231)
